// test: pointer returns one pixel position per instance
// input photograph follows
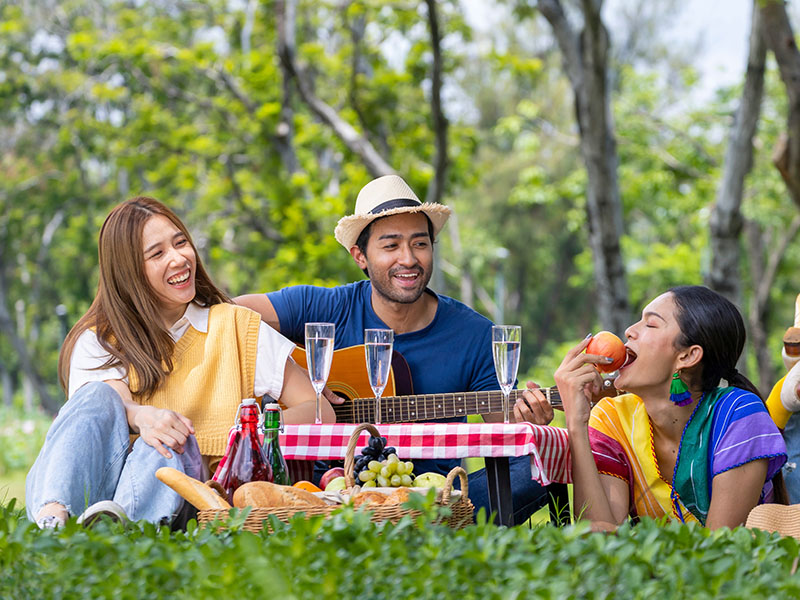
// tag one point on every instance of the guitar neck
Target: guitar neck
(429, 407)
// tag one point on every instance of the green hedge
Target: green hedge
(347, 557)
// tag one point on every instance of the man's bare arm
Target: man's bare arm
(261, 304)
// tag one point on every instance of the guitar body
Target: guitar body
(348, 377)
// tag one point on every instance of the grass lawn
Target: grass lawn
(12, 485)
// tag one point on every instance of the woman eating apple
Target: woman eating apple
(681, 442)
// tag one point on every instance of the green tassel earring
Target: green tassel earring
(678, 392)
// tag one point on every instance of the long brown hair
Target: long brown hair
(125, 313)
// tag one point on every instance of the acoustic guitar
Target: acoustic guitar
(348, 378)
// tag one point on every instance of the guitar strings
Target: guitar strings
(410, 407)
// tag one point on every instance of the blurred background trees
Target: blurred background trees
(583, 176)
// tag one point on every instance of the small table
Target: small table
(547, 446)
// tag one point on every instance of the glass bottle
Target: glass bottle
(273, 424)
(244, 459)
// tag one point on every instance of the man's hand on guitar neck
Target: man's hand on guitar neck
(532, 407)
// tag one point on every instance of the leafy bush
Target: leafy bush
(21, 437)
(348, 556)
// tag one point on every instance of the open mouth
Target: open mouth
(407, 279)
(630, 356)
(180, 278)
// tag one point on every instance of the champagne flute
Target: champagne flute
(319, 353)
(378, 350)
(506, 343)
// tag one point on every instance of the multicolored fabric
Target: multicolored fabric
(740, 431)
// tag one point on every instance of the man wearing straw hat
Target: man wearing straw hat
(446, 344)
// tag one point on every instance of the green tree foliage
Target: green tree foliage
(187, 102)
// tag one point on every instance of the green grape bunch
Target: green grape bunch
(379, 466)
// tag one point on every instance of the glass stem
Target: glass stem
(377, 409)
(506, 407)
(318, 415)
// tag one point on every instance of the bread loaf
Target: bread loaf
(261, 494)
(399, 496)
(368, 498)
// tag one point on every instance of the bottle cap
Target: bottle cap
(248, 401)
(272, 406)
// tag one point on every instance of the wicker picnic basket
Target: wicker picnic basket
(461, 510)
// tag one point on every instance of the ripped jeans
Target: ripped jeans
(87, 457)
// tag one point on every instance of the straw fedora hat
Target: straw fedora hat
(383, 197)
(776, 517)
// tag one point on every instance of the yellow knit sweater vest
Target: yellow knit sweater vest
(212, 373)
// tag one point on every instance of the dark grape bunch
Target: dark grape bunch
(378, 465)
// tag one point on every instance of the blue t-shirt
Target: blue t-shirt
(452, 354)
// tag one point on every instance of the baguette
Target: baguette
(197, 493)
(259, 494)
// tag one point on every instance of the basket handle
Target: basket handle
(448, 485)
(349, 456)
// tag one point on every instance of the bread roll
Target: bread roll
(260, 494)
(399, 496)
(368, 498)
(197, 493)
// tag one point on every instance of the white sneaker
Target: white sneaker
(107, 508)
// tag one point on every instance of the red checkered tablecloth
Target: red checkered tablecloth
(547, 446)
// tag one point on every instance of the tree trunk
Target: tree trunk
(355, 142)
(779, 38)
(726, 216)
(586, 63)
(285, 17)
(763, 274)
(8, 328)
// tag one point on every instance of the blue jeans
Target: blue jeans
(791, 469)
(86, 457)
(527, 495)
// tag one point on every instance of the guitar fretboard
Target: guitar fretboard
(429, 407)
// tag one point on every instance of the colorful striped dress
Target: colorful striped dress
(728, 428)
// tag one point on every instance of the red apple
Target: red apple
(329, 475)
(606, 343)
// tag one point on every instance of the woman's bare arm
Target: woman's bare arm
(735, 493)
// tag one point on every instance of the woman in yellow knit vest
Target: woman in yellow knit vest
(161, 353)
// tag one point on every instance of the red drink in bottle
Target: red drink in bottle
(244, 460)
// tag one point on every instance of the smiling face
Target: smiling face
(398, 258)
(170, 264)
(652, 354)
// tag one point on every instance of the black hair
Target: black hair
(713, 322)
(710, 320)
(363, 237)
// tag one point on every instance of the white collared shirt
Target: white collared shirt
(272, 351)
